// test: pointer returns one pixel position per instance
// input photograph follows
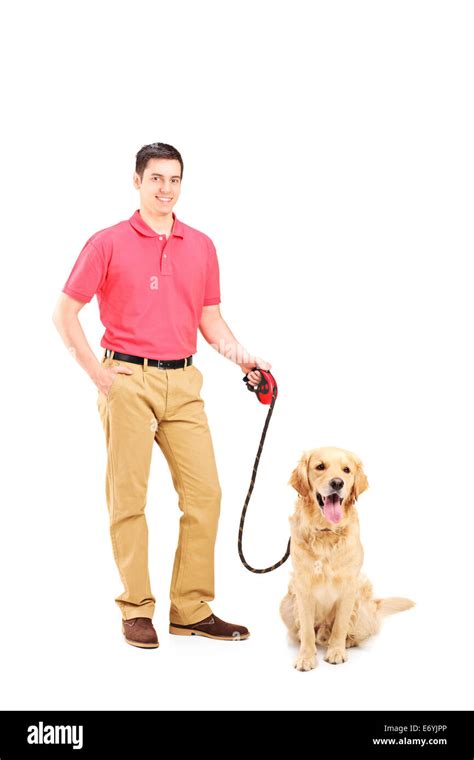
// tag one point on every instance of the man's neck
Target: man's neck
(161, 224)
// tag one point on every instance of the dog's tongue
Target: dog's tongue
(332, 508)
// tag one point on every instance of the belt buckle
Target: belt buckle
(185, 362)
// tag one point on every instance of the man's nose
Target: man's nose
(336, 483)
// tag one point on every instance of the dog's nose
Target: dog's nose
(336, 483)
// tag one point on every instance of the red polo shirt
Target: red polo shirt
(150, 289)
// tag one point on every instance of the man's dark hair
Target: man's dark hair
(156, 150)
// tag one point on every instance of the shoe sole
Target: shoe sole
(185, 632)
(141, 644)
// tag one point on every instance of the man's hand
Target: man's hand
(106, 376)
(255, 377)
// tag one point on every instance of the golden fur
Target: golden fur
(328, 601)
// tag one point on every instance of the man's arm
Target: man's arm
(66, 321)
(218, 334)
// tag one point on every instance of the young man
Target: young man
(157, 281)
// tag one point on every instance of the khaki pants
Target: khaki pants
(164, 406)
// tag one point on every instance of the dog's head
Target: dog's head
(331, 479)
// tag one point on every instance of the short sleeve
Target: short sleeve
(212, 293)
(88, 273)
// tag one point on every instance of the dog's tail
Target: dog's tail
(392, 604)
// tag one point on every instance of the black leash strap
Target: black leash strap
(244, 511)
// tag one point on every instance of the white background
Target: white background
(328, 153)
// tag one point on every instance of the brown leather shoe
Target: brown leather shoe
(139, 632)
(213, 628)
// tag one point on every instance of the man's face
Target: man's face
(160, 186)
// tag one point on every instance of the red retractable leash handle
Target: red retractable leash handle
(265, 388)
(266, 392)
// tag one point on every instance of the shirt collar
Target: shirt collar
(140, 226)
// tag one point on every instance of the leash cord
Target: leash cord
(244, 510)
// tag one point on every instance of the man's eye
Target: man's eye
(320, 467)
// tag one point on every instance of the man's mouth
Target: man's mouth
(331, 507)
(163, 200)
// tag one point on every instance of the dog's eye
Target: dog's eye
(346, 469)
(320, 466)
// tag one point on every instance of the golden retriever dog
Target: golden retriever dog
(328, 601)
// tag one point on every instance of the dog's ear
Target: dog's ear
(360, 479)
(299, 476)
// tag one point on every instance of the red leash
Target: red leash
(266, 392)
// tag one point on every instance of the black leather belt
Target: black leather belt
(161, 363)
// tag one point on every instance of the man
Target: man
(156, 281)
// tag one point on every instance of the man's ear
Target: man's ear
(360, 479)
(299, 476)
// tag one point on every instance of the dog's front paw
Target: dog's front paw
(305, 661)
(336, 655)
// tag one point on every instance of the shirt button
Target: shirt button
(161, 238)
(164, 255)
